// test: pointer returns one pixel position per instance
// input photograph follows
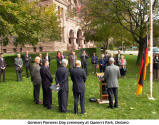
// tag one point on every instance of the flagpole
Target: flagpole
(151, 52)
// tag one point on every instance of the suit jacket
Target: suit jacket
(94, 60)
(35, 74)
(71, 60)
(58, 61)
(111, 76)
(78, 77)
(46, 77)
(117, 58)
(84, 59)
(102, 61)
(27, 60)
(2, 63)
(19, 63)
(156, 63)
(62, 78)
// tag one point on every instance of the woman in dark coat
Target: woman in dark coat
(58, 59)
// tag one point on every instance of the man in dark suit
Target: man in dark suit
(62, 81)
(84, 61)
(47, 57)
(2, 67)
(102, 63)
(46, 83)
(36, 79)
(117, 58)
(111, 77)
(78, 77)
(27, 60)
(72, 59)
(19, 65)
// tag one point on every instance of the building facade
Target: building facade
(71, 33)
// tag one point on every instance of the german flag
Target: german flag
(144, 64)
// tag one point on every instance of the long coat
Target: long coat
(35, 74)
(78, 77)
(62, 78)
(111, 76)
(46, 77)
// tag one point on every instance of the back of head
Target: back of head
(78, 63)
(37, 59)
(65, 62)
(111, 60)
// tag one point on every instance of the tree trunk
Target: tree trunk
(140, 52)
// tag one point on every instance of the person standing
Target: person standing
(84, 61)
(102, 63)
(62, 81)
(58, 59)
(19, 65)
(27, 60)
(117, 58)
(111, 77)
(94, 61)
(47, 57)
(41, 59)
(36, 79)
(46, 84)
(78, 77)
(72, 59)
(2, 67)
(122, 65)
(106, 57)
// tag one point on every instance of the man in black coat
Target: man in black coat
(62, 81)
(47, 57)
(46, 83)
(78, 77)
(27, 60)
(84, 61)
(2, 67)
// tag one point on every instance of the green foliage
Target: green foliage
(29, 23)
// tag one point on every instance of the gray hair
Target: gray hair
(111, 60)
(37, 58)
(78, 62)
(65, 62)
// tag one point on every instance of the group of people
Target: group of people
(41, 76)
(103, 62)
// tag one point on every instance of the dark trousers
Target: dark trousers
(82, 101)
(85, 67)
(27, 70)
(111, 92)
(47, 97)
(102, 68)
(2, 72)
(19, 75)
(94, 68)
(36, 93)
(62, 100)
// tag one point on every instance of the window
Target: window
(34, 49)
(41, 49)
(4, 50)
(21, 49)
(14, 50)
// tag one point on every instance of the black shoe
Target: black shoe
(76, 113)
(111, 107)
(67, 111)
(115, 106)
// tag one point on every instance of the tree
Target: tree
(29, 23)
(131, 15)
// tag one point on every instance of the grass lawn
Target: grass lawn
(16, 98)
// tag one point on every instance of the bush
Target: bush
(89, 51)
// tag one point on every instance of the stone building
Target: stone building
(71, 37)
